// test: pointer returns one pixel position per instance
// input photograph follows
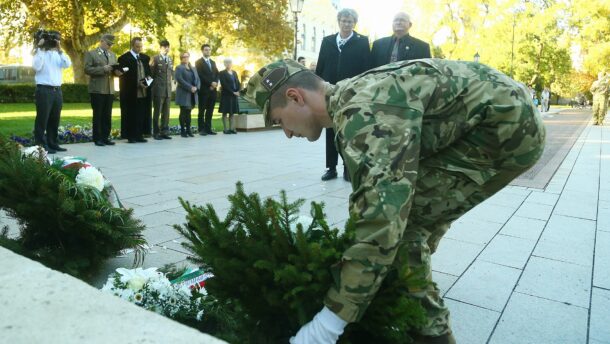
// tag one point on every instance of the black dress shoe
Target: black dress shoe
(131, 141)
(190, 134)
(233, 131)
(49, 150)
(108, 143)
(330, 174)
(157, 137)
(167, 137)
(57, 148)
(203, 133)
(211, 132)
(100, 143)
(141, 139)
(226, 131)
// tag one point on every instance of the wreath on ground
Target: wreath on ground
(70, 218)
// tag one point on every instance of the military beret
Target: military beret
(267, 80)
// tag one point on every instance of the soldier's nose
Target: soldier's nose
(288, 133)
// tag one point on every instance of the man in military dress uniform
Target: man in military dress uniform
(600, 90)
(162, 70)
(424, 142)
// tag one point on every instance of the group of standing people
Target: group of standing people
(146, 84)
(348, 53)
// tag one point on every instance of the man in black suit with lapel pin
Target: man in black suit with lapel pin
(342, 55)
(208, 74)
(400, 46)
(134, 93)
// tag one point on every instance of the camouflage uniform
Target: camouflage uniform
(424, 142)
(600, 90)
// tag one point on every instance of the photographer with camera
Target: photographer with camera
(48, 62)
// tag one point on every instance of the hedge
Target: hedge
(24, 93)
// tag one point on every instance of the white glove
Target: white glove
(325, 328)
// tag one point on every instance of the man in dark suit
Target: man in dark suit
(99, 67)
(134, 94)
(162, 69)
(400, 46)
(208, 74)
(342, 55)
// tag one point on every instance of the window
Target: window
(304, 37)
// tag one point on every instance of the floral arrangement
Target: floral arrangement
(152, 290)
(69, 215)
(271, 268)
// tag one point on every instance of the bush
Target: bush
(272, 271)
(66, 226)
(24, 93)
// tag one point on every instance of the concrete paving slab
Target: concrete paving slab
(534, 211)
(507, 199)
(567, 239)
(443, 281)
(471, 324)
(508, 250)
(447, 261)
(577, 204)
(603, 216)
(557, 281)
(543, 198)
(491, 213)
(469, 229)
(601, 273)
(485, 285)
(522, 227)
(528, 319)
(599, 330)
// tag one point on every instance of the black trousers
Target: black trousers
(49, 101)
(332, 156)
(185, 118)
(101, 104)
(134, 121)
(161, 106)
(207, 100)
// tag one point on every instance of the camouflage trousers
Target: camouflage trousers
(600, 107)
(441, 196)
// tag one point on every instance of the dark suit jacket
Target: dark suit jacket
(354, 58)
(206, 75)
(409, 48)
(227, 86)
(128, 94)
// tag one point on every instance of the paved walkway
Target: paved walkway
(528, 265)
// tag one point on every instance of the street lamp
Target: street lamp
(296, 6)
(477, 57)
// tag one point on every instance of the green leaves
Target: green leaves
(68, 227)
(274, 267)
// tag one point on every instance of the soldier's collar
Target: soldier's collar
(329, 92)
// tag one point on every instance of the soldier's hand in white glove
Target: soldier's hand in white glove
(325, 328)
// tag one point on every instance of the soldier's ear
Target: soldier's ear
(294, 94)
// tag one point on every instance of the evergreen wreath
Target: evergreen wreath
(65, 225)
(272, 271)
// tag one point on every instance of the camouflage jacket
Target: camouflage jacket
(387, 120)
(601, 87)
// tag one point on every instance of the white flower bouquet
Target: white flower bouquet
(150, 289)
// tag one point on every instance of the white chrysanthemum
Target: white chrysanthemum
(304, 220)
(35, 152)
(90, 176)
(126, 294)
(200, 315)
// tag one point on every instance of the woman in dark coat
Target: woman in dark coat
(186, 92)
(228, 97)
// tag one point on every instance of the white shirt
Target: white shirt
(339, 39)
(135, 56)
(48, 65)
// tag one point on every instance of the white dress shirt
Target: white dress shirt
(48, 65)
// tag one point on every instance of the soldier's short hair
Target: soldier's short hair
(164, 43)
(205, 45)
(347, 12)
(305, 79)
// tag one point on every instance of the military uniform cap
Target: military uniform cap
(108, 38)
(267, 80)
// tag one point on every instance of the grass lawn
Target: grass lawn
(18, 119)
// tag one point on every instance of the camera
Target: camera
(51, 39)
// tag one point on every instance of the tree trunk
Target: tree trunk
(78, 66)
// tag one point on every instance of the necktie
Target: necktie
(106, 55)
(341, 43)
(394, 56)
(209, 64)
